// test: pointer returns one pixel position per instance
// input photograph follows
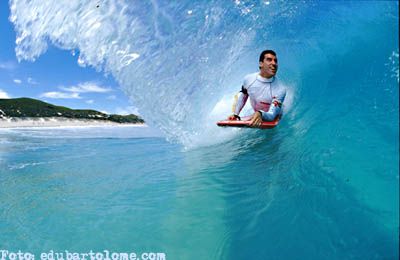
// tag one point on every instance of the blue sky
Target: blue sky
(55, 77)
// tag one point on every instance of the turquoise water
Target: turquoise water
(324, 184)
(143, 194)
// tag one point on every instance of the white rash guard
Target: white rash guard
(263, 92)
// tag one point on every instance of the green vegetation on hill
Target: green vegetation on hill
(28, 107)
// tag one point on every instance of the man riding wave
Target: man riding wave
(264, 89)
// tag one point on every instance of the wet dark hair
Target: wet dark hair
(263, 53)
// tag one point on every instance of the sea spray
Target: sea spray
(174, 68)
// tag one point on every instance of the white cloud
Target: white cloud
(17, 81)
(31, 81)
(90, 101)
(87, 87)
(3, 94)
(112, 97)
(60, 95)
(8, 65)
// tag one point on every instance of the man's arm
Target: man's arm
(240, 101)
(274, 110)
(260, 116)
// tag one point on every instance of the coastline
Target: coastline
(28, 122)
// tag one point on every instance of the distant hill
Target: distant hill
(29, 107)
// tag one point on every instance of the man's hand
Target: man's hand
(256, 120)
(233, 117)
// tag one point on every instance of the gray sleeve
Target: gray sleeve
(271, 114)
(276, 107)
(240, 101)
(281, 96)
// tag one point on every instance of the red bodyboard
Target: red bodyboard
(246, 123)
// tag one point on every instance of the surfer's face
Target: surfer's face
(269, 66)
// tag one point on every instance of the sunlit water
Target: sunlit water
(321, 185)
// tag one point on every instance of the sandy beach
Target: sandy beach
(57, 122)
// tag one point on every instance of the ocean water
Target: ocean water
(324, 184)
